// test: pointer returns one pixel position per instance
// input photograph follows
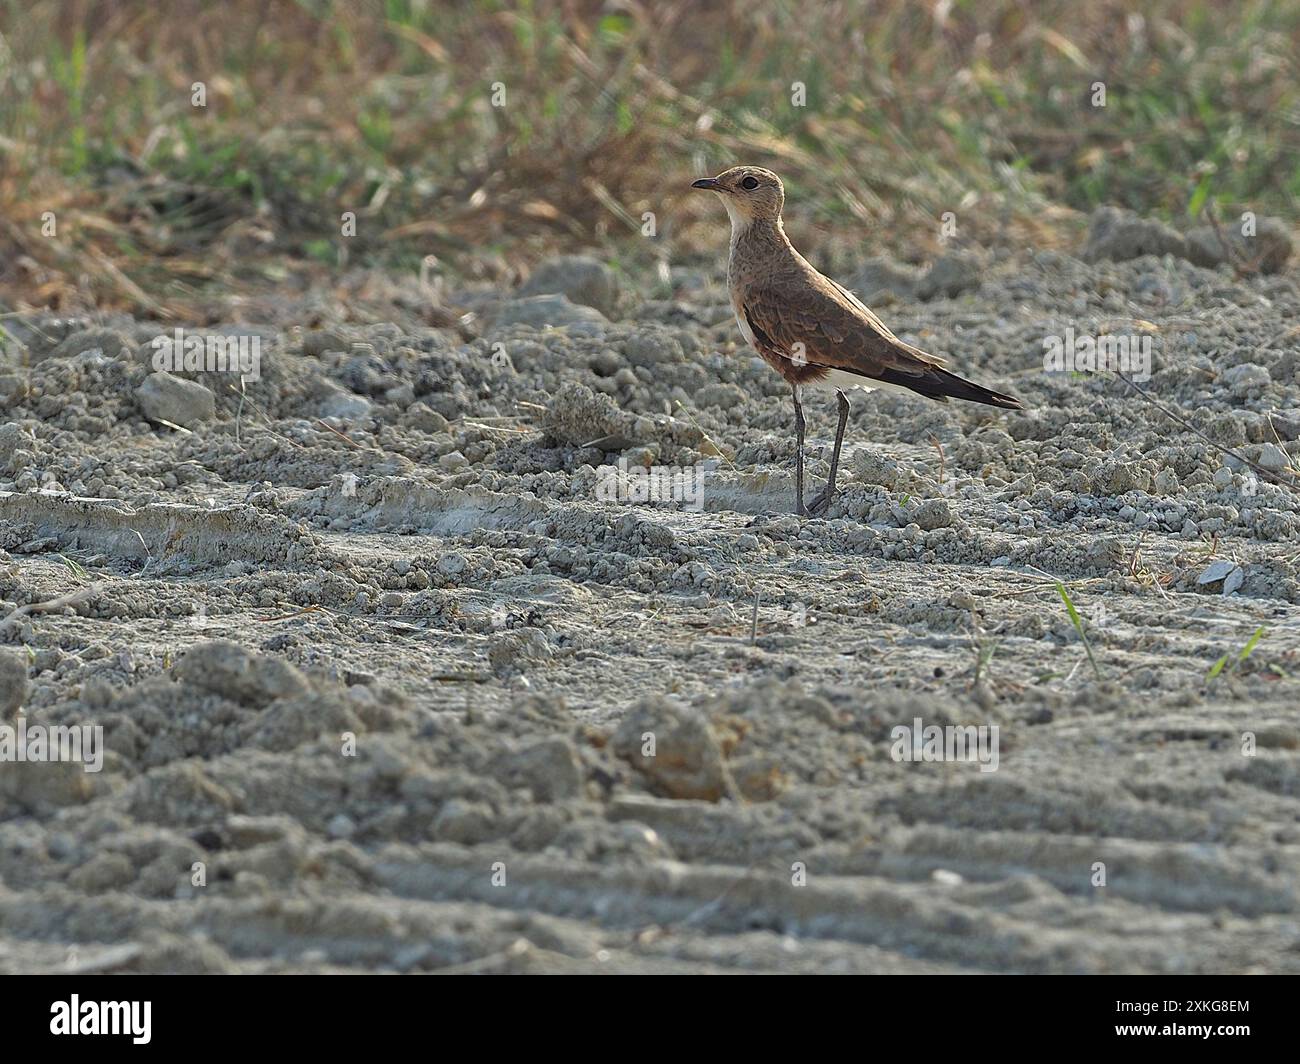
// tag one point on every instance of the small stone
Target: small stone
(644, 457)
(1118, 478)
(1165, 483)
(932, 514)
(452, 564)
(340, 827)
(339, 403)
(874, 468)
(452, 461)
(163, 397)
(424, 418)
(1216, 571)
(1286, 423)
(1273, 458)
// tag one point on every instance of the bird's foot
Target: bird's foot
(821, 504)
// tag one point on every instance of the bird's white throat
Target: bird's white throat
(742, 223)
(739, 222)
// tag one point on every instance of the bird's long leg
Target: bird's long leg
(798, 452)
(823, 501)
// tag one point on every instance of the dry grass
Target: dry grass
(385, 109)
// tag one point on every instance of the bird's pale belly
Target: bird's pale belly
(837, 380)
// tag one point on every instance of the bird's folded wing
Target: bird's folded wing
(825, 325)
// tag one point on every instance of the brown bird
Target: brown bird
(812, 331)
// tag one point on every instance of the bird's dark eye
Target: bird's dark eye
(749, 182)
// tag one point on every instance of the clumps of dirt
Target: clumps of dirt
(581, 279)
(675, 750)
(389, 681)
(1263, 245)
(592, 421)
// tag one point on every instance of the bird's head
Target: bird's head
(750, 194)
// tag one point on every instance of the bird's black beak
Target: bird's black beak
(709, 183)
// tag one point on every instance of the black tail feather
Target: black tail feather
(941, 385)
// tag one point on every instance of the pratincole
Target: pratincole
(811, 330)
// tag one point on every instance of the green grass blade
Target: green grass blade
(1077, 621)
(1249, 648)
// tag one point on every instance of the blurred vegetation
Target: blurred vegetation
(984, 108)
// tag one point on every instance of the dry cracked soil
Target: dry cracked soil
(387, 681)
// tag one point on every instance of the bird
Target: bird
(812, 330)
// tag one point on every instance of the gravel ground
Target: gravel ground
(379, 664)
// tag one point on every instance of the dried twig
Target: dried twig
(938, 446)
(1287, 482)
(70, 599)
